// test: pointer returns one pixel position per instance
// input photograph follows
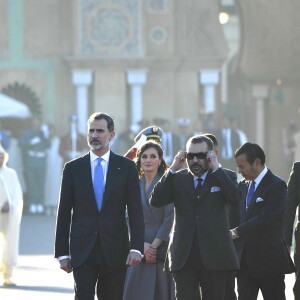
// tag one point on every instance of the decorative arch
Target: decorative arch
(25, 94)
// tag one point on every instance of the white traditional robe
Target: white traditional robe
(10, 221)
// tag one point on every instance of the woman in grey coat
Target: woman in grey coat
(148, 280)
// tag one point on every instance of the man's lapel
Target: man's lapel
(112, 176)
(207, 184)
(264, 184)
(243, 190)
(188, 184)
(86, 176)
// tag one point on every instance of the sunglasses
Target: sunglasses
(199, 155)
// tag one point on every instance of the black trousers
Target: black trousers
(272, 288)
(230, 286)
(95, 274)
(296, 288)
(194, 275)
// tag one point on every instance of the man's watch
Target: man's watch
(234, 234)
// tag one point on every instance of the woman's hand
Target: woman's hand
(150, 253)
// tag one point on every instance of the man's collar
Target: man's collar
(203, 176)
(105, 157)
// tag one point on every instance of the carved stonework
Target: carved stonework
(158, 35)
(156, 6)
(110, 27)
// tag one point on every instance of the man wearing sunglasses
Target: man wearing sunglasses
(201, 251)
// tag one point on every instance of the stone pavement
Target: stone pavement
(38, 276)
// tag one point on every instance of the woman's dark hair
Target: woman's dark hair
(147, 145)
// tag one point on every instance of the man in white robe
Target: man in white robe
(11, 206)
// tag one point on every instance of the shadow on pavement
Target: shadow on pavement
(39, 289)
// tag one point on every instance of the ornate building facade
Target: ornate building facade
(155, 58)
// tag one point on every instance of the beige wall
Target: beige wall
(3, 29)
(176, 43)
(110, 95)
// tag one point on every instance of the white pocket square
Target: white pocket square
(259, 200)
(215, 189)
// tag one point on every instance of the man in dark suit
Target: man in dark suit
(264, 255)
(293, 204)
(201, 250)
(91, 235)
(233, 222)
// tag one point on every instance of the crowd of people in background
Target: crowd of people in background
(40, 153)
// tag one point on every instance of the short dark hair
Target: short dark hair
(147, 145)
(106, 117)
(198, 139)
(252, 152)
(213, 138)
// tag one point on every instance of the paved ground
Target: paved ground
(38, 276)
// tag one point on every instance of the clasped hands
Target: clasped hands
(150, 253)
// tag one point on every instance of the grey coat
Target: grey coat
(149, 281)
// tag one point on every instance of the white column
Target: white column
(136, 79)
(209, 78)
(260, 94)
(81, 79)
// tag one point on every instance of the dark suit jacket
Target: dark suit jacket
(261, 228)
(292, 203)
(205, 217)
(78, 209)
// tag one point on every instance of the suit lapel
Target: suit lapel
(254, 196)
(207, 184)
(264, 184)
(112, 176)
(188, 184)
(86, 174)
(243, 189)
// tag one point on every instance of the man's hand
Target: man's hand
(65, 264)
(212, 160)
(133, 258)
(178, 161)
(234, 234)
